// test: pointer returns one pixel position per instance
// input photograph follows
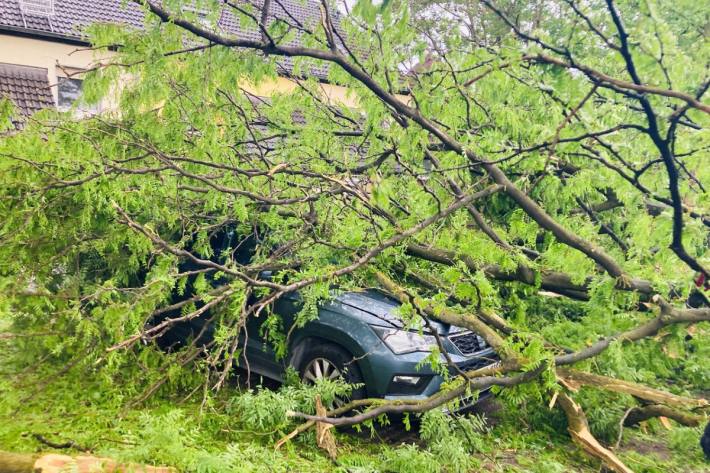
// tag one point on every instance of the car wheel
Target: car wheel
(328, 361)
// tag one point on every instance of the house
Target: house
(43, 47)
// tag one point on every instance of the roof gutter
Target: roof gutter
(40, 34)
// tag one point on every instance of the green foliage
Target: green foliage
(7, 109)
(217, 439)
(453, 439)
(409, 458)
(193, 153)
(267, 411)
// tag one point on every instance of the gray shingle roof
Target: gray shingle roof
(27, 87)
(71, 17)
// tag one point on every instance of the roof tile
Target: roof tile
(71, 17)
(27, 87)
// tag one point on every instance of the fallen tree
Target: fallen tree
(465, 187)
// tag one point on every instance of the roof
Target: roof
(71, 17)
(27, 87)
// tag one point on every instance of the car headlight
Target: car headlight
(403, 341)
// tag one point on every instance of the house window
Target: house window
(68, 92)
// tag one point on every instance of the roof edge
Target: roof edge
(79, 41)
(22, 66)
(40, 34)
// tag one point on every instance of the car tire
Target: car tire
(329, 360)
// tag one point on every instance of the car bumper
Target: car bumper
(384, 369)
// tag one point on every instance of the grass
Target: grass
(216, 436)
(209, 438)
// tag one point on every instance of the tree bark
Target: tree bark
(640, 414)
(16, 462)
(558, 282)
(54, 463)
(579, 431)
(633, 389)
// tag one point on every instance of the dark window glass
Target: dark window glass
(69, 91)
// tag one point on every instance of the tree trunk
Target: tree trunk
(16, 462)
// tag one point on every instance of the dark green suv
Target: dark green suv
(357, 336)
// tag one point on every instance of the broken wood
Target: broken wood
(301, 428)
(16, 462)
(633, 389)
(324, 437)
(53, 463)
(88, 464)
(640, 414)
(578, 428)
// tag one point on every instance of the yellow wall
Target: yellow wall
(54, 56)
(47, 54)
(335, 94)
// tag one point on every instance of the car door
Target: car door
(260, 353)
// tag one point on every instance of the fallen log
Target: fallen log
(640, 414)
(575, 377)
(16, 462)
(53, 463)
(578, 428)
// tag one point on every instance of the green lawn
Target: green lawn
(213, 437)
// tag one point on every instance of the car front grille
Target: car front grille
(477, 363)
(468, 343)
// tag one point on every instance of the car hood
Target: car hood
(377, 308)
